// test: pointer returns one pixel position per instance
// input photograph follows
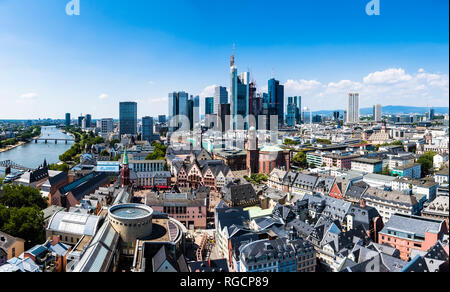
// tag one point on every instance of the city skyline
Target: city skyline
(91, 62)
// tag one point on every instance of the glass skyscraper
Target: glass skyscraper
(196, 114)
(128, 118)
(178, 106)
(68, 120)
(276, 98)
(240, 96)
(209, 106)
(291, 112)
(147, 128)
(220, 97)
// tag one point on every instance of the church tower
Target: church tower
(125, 170)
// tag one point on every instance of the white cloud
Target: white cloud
(390, 76)
(103, 96)
(302, 85)
(28, 96)
(208, 91)
(393, 86)
(158, 100)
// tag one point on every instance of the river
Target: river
(33, 154)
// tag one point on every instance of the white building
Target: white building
(377, 112)
(353, 108)
(106, 127)
(439, 160)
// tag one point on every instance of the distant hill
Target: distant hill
(391, 110)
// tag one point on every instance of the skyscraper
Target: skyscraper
(209, 106)
(190, 115)
(377, 113)
(291, 112)
(220, 97)
(80, 121)
(276, 98)
(128, 118)
(68, 120)
(162, 119)
(147, 128)
(240, 94)
(224, 112)
(178, 106)
(298, 105)
(353, 108)
(196, 110)
(432, 114)
(88, 121)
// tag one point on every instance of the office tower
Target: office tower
(162, 119)
(336, 115)
(128, 118)
(209, 106)
(178, 106)
(220, 97)
(353, 108)
(276, 98)
(377, 113)
(291, 112)
(224, 116)
(106, 126)
(68, 120)
(84, 123)
(80, 121)
(190, 115)
(196, 110)
(298, 105)
(88, 121)
(147, 128)
(432, 114)
(240, 94)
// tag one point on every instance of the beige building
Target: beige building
(13, 246)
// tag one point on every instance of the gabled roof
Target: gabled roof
(161, 257)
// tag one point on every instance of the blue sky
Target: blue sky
(115, 50)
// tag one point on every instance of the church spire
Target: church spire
(125, 157)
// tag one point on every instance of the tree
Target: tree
(18, 196)
(300, 160)
(159, 153)
(24, 222)
(113, 143)
(426, 161)
(323, 141)
(104, 153)
(59, 167)
(289, 142)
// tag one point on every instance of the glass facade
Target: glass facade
(209, 105)
(147, 128)
(128, 118)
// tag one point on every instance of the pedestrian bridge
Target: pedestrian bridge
(46, 140)
(12, 164)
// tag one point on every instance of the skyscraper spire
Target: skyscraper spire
(232, 56)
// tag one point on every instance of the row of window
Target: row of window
(135, 225)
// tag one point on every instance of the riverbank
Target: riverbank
(11, 147)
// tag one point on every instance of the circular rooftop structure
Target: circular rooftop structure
(131, 221)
